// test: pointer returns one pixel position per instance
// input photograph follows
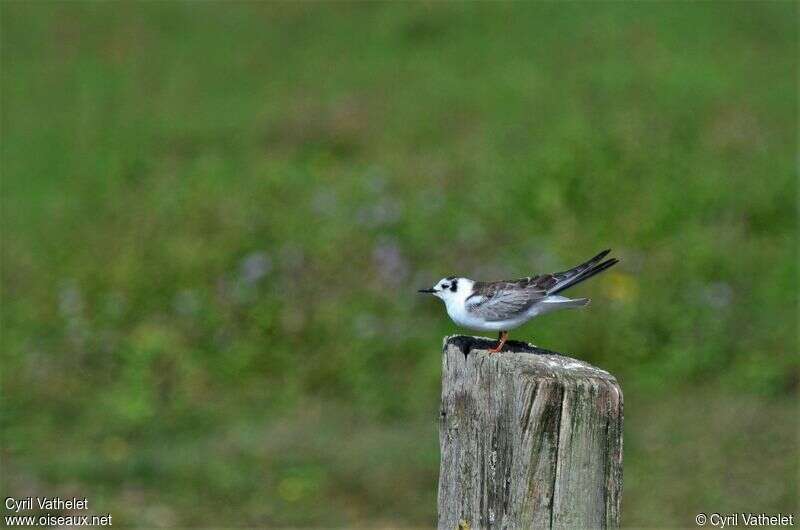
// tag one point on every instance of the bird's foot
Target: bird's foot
(502, 338)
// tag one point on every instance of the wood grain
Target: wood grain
(528, 438)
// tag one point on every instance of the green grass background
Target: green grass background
(215, 218)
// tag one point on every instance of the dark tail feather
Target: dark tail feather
(567, 276)
(586, 265)
(584, 271)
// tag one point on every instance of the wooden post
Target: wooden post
(529, 439)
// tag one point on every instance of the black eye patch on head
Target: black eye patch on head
(454, 286)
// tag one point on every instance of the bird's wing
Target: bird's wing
(495, 301)
(566, 279)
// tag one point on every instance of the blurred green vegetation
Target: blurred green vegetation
(215, 218)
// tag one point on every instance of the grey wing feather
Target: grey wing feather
(504, 300)
(497, 301)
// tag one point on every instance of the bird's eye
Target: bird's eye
(445, 286)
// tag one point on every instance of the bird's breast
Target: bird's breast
(461, 316)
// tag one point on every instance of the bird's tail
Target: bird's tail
(582, 272)
(566, 303)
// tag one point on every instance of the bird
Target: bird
(507, 304)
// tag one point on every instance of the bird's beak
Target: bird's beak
(427, 291)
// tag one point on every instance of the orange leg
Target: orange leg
(502, 337)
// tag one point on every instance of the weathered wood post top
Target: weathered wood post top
(529, 439)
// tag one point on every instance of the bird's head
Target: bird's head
(450, 288)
